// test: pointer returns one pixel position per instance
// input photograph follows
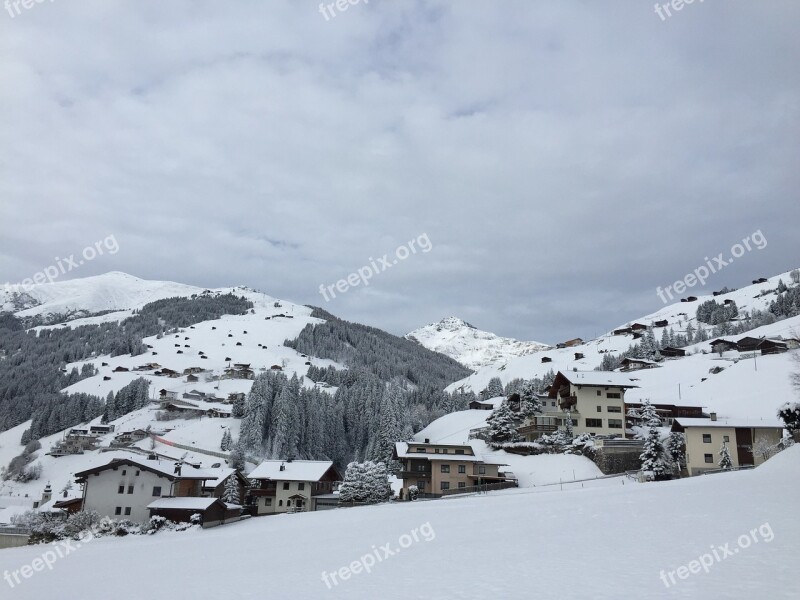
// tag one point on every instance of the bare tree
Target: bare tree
(763, 448)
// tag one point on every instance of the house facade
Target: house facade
(705, 437)
(291, 485)
(595, 400)
(124, 487)
(437, 468)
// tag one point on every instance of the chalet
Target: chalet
(671, 352)
(662, 323)
(637, 364)
(638, 327)
(705, 437)
(120, 370)
(748, 344)
(292, 485)
(221, 413)
(193, 370)
(579, 355)
(769, 346)
(76, 441)
(124, 487)
(623, 331)
(720, 345)
(101, 429)
(760, 280)
(216, 487)
(240, 371)
(181, 406)
(192, 379)
(691, 299)
(167, 395)
(276, 368)
(570, 343)
(546, 359)
(596, 400)
(129, 437)
(440, 469)
(666, 412)
(489, 404)
(212, 511)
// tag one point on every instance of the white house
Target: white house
(292, 485)
(124, 487)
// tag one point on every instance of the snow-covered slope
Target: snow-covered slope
(470, 346)
(114, 291)
(747, 387)
(597, 541)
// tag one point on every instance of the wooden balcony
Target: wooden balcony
(415, 474)
(567, 402)
(537, 428)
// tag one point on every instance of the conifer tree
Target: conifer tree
(725, 462)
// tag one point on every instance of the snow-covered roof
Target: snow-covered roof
(294, 470)
(7, 513)
(216, 476)
(747, 423)
(162, 467)
(599, 378)
(183, 503)
(403, 452)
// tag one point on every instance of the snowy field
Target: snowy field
(606, 542)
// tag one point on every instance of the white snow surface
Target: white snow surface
(470, 346)
(605, 542)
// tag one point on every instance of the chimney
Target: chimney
(283, 467)
(713, 416)
(427, 440)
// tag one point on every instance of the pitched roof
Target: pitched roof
(401, 448)
(159, 467)
(593, 379)
(294, 470)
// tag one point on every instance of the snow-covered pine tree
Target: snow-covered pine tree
(494, 389)
(656, 463)
(226, 442)
(231, 494)
(725, 462)
(676, 447)
(502, 426)
(238, 459)
(530, 405)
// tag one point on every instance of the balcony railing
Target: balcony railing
(566, 402)
(415, 474)
(537, 428)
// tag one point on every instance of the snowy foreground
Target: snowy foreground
(610, 541)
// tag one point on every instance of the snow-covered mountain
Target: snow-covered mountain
(469, 345)
(114, 291)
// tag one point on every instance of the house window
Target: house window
(121, 489)
(127, 511)
(614, 409)
(615, 423)
(706, 438)
(267, 501)
(301, 486)
(598, 392)
(286, 485)
(118, 510)
(481, 470)
(422, 450)
(459, 451)
(130, 489)
(594, 423)
(421, 468)
(462, 469)
(615, 395)
(553, 403)
(421, 484)
(124, 472)
(445, 468)
(599, 409)
(444, 485)
(444, 450)
(462, 484)
(709, 458)
(726, 438)
(280, 502)
(156, 490)
(137, 473)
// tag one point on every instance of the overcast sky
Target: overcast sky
(563, 158)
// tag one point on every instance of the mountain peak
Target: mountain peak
(469, 345)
